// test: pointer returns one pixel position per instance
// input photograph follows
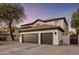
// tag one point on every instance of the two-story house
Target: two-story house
(44, 31)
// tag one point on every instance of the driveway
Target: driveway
(15, 48)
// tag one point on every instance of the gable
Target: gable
(38, 23)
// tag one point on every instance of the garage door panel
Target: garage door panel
(30, 38)
(47, 38)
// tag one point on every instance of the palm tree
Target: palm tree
(11, 13)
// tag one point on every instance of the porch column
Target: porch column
(21, 38)
(39, 38)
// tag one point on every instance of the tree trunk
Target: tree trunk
(11, 33)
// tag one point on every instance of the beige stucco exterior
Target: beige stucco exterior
(60, 23)
(56, 38)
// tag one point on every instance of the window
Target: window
(55, 33)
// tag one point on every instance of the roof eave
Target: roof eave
(59, 28)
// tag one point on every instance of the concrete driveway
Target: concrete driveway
(15, 48)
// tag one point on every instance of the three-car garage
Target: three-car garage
(41, 35)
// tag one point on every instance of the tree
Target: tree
(11, 13)
(75, 21)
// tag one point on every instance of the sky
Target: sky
(34, 11)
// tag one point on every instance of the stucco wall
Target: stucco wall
(55, 37)
(66, 39)
(56, 22)
(51, 23)
(63, 39)
(65, 27)
(60, 23)
(60, 37)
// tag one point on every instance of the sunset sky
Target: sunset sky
(48, 10)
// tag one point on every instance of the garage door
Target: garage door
(47, 38)
(30, 38)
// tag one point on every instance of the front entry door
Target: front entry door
(47, 38)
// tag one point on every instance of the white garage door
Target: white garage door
(47, 38)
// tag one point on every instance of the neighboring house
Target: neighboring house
(45, 31)
(5, 34)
